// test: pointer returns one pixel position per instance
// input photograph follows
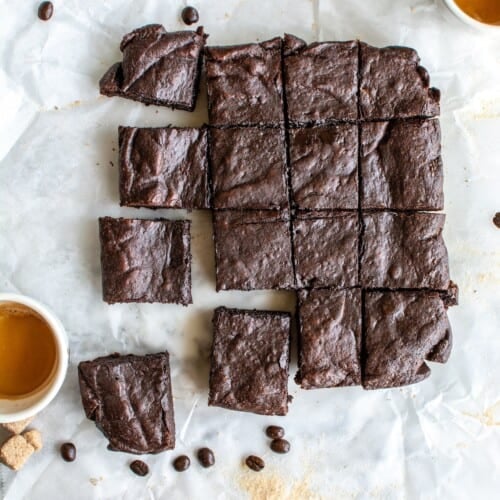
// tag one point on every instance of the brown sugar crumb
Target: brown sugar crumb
(17, 427)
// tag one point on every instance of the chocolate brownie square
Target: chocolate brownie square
(249, 363)
(163, 167)
(401, 165)
(404, 251)
(145, 260)
(393, 85)
(325, 248)
(321, 81)
(253, 250)
(324, 167)
(244, 84)
(130, 400)
(329, 338)
(402, 330)
(158, 67)
(248, 168)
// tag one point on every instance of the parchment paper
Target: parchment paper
(58, 142)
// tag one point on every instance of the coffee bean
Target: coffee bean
(139, 467)
(190, 15)
(182, 463)
(280, 446)
(275, 432)
(496, 219)
(255, 463)
(45, 11)
(68, 452)
(206, 457)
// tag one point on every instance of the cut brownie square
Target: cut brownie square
(321, 81)
(158, 67)
(248, 167)
(393, 85)
(404, 251)
(402, 330)
(145, 260)
(325, 248)
(130, 400)
(253, 250)
(329, 338)
(244, 84)
(401, 165)
(250, 359)
(324, 167)
(163, 167)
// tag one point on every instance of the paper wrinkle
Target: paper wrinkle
(437, 439)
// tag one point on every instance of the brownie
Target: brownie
(248, 168)
(164, 167)
(325, 246)
(158, 67)
(249, 363)
(130, 400)
(402, 330)
(393, 85)
(329, 338)
(145, 260)
(324, 167)
(401, 165)
(253, 250)
(244, 84)
(321, 81)
(404, 251)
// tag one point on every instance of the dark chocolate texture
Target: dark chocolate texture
(248, 168)
(321, 80)
(244, 84)
(250, 358)
(253, 250)
(164, 167)
(158, 67)
(324, 167)
(130, 400)
(145, 260)
(403, 329)
(401, 165)
(329, 338)
(393, 85)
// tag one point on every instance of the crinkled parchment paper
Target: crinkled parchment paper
(58, 155)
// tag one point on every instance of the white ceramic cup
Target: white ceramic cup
(491, 28)
(34, 402)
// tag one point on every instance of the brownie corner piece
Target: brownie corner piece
(253, 250)
(329, 324)
(321, 81)
(262, 183)
(129, 398)
(158, 67)
(145, 260)
(165, 167)
(394, 85)
(250, 361)
(401, 166)
(402, 330)
(244, 84)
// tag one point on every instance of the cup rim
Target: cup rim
(492, 28)
(61, 339)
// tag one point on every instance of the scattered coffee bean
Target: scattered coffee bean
(45, 11)
(255, 463)
(190, 15)
(496, 219)
(275, 432)
(68, 452)
(280, 446)
(206, 457)
(139, 467)
(182, 463)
